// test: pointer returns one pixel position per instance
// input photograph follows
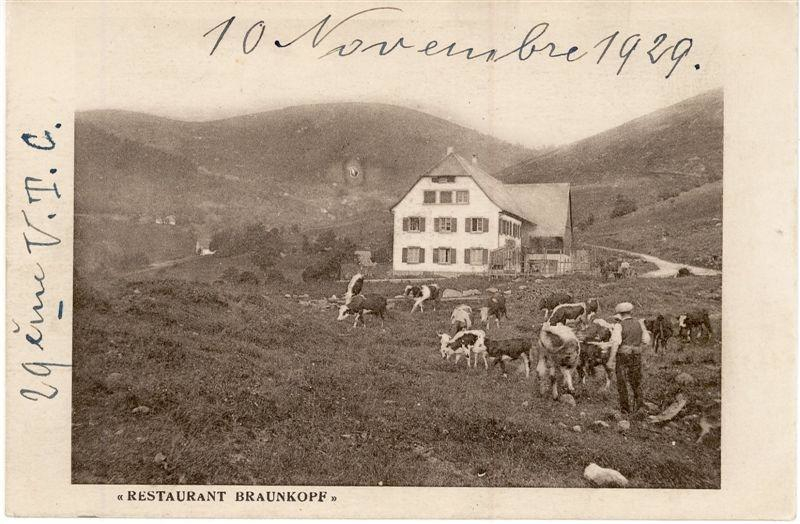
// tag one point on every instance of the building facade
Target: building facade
(458, 219)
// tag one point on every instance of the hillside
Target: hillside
(682, 140)
(686, 228)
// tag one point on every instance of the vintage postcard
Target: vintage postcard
(401, 259)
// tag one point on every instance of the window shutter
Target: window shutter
(485, 225)
(466, 256)
(436, 224)
(454, 224)
(466, 225)
(405, 253)
(422, 224)
(452, 255)
(405, 224)
(485, 256)
(421, 255)
(436, 255)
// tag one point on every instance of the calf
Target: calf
(509, 349)
(463, 343)
(461, 318)
(592, 308)
(661, 329)
(553, 300)
(429, 292)
(559, 348)
(692, 321)
(595, 350)
(561, 314)
(495, 308)
(360, 305)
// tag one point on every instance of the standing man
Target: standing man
(628, 338)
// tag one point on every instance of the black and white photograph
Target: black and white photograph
(412, 245)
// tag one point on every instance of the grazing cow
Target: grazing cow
(509, 349)
(354, 287)
(561, 314)
(429, 292)
(692, 322)
(360, 305)
(595, 350)
(461, 318)
(495, 308)
(661, 329)
(552, 301)
(463, 343)
(559, 348)
(592, 308)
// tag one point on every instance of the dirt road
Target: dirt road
(665, 268)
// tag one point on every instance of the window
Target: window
(477, 225)
(413, 255)
(445, 225)
(462, 197)
(414, 224)
(517, 231)
(444, 179)
(444, 255)
(429, 197)
(445, 197)
(476, 256)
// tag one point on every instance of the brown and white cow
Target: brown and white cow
(461, 318)
(579, 312)
(692, 322)
(495, 309)
(559, 349)
(553, 300)
(509, 349)
(595, 349)
(422, 294)
(463, 343)
(360, 305)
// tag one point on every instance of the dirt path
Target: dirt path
(665, 268)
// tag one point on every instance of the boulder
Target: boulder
(287, 295)
(451, 293)
(604, 477)
(684, 379)
(623, 425)
(160, 458)
(141, 409)
(672, 410)
(538, 281)
(492, 290)
(600, 424)
(577, 429)
(507, 292)
(566, 398)
(333, 298)
(523, 287)
(470, 293)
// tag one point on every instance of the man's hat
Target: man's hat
(623, 307)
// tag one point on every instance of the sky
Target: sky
(154, 59)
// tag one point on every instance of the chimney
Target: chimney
(475, 159)
(449, 150)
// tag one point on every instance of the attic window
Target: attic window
(444, 179)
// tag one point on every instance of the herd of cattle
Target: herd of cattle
(571, 337)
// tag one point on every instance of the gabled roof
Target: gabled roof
(544, 205)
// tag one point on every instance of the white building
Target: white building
(457, 218)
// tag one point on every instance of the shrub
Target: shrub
(622, 206)
(247, 277)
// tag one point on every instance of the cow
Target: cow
(553, 300)
(577, 311)
(558, 348)
(461, 318)
(354, 287)
(495, 308)
(360, 305)
(661, 329)
(463, 343)
(429, 292)
(509, 349)
(693, 321)
(595, 350)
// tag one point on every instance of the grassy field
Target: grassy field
(245, 386)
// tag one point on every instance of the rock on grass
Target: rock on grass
(604, 477)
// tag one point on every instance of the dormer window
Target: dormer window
(444, 179)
